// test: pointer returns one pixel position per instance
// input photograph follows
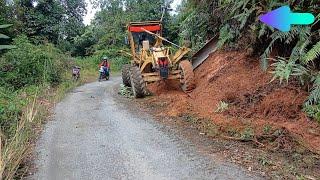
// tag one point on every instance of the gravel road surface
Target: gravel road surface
(94, 136)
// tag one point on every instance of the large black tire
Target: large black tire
(125, 72)
(187, 76)
(138, 85)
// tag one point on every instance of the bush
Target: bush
(10, 110)
(313, 111)
(25, 71)
(12, 104)
(29, 64)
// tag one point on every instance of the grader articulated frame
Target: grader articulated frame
(152, 61)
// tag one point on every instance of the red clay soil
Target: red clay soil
(253, 100)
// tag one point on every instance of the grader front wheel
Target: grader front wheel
(187, 76)
(126, 75)
(138, 85)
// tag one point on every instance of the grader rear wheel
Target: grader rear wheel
(138, 85)
(187, 76)
(126, 75)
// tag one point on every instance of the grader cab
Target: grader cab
(152, 61)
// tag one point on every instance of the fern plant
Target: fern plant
(314, 96)
(282, 37)
(312, 54)
(226, 34)
(312, 105)
(284, 69)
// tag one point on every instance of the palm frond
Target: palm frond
(2, 36)
(3, 47)
(5, 26)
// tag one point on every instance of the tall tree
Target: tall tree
(50, 20)
(72, 24)
(111, 21)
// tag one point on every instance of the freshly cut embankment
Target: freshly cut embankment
(253, 102)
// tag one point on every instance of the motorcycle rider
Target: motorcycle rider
(105, 65)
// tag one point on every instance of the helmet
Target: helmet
(105, 58)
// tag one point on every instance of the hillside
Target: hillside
(253, 100)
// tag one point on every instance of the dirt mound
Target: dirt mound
(252, 100)
(168, 92)
(271, 101)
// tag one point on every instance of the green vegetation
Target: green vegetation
(264, 160)
(267, 129)
(292, 55)
(284, 69)
(125, 91)
(221, 107)
(190, 118)
(247, 134)
(29, 64)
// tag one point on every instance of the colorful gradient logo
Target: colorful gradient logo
(282, 18)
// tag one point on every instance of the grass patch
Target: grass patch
(125, 91)
(190, 118)
(221, 107)
(267, 128)
(247, 134)
(264, 160)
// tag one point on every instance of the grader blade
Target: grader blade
(199, 57)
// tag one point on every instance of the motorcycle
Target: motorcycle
(104, 73)
(75, 73)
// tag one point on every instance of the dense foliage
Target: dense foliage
(293, 55)
(29, 64)
(26, 66)
(54, 21)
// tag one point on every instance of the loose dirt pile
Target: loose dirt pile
(252, 101)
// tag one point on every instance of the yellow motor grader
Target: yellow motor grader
(152, 61)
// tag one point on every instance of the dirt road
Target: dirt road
(93, 136)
